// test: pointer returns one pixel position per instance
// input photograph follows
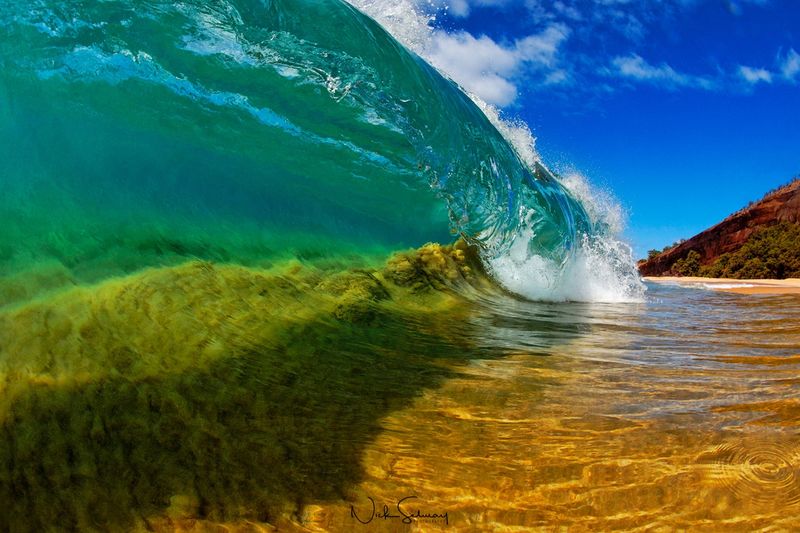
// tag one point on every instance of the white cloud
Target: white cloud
(459, 8)
(556, 77)
(788, 68)
(790, 65)
(567, 11)
(493, 89)
(479, 65)
(487, 69)
(755, 75)
(494, 69)
(636, 68)
(543, 47)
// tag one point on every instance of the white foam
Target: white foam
(603, 209)
(718, 286)
(599, 270)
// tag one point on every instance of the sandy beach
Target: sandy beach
(740, 286)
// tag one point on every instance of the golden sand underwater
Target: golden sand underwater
(212, 397)
(210, 391)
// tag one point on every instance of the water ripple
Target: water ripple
(762, 472)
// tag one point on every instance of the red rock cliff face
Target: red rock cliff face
(731, 233)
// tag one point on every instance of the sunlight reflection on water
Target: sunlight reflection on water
(682, 412)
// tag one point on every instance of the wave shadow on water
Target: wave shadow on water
(217, 393)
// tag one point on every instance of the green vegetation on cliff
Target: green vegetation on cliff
(772, 252)
(689, 265)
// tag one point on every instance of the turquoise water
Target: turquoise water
(242, 130)
(219, 269)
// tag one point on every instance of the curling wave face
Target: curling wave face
(240, 130)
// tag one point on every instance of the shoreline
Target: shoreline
(738, 286)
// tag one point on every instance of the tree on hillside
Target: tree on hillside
(687, 266)
(772, 252)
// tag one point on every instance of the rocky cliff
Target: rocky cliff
(729, 235)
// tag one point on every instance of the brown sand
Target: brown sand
(739, 286)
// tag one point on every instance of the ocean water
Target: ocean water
(261, 265)
(678, 413)
(140, 134)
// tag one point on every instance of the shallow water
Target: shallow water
(197, 396)
(679, 413)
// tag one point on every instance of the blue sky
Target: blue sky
(685, 109)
